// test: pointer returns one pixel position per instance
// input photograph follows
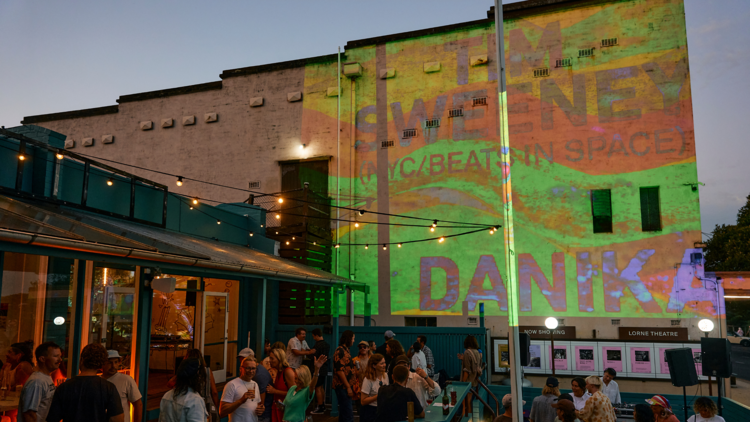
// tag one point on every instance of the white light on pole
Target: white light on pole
(551, 323)
(706, 325)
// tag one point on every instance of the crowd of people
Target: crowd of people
(594, 400)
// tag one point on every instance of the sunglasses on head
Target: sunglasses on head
(362, 346)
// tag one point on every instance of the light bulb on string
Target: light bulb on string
(179, 181)
(281, 200)
(278, 216)
(294, 238)
(338, 245)
(191, 207)
(385, 247)
(356, 224)
(361, 212)
(441, 240)
(218, 221)
(287, 242)
(367, 246)
(21, 157)
(251, 234)
(434, 223)
(195, 201)
(59, 156)
(399, 245)
(110, 182)
(432, 229)
(492, 231)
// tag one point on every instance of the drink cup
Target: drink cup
(252, 394)
(453, 397)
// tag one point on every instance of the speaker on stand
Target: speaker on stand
(716, 356)
(682, 371)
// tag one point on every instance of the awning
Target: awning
(51, 226)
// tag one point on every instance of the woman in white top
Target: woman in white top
(375, 377)
(580, 395)
(183, 403)
(418, 359)
(705, 411)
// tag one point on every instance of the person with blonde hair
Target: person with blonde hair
(300, 395)
(541, 407)
(598, 408)
(705, 411)
(285, 378)
(267, 361)
(374, 378)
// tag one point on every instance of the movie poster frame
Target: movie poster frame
(630, 370)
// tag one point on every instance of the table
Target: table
(435, 413)
(10, 403)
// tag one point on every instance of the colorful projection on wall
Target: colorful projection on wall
(599, 98)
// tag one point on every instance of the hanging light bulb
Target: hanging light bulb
(434, 223)
(367, 246)
(59, 156)
(315, 243)
(218, 221)
(492, 231)
(281, 200)
(361, 212)
(110, 182)
(356, 224)
(195, 201)
(399, 245)
(338, 245)
(294, 238)
(261, 225)
(278, 216)
(251, 234)
(179, 181)
(191, 207)
(277, 232)
(21, 157)
(385, 247)
(287, 242)
(441, 240)
(432, 229)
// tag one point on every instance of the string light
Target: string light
(195, 201)
(59, 156)
(281, 200)
(218, 221)
(441, 240)
(315, 243)
(261, 226)
(399, 245)
(294, 238)
(278, 216)
(385, 247)
(110, 182)
(492, 231)
(434, 223)
(338, 245)
(367, 246)
(251, 234)
(21, 157)
(356, 224)
(191, 207)
(432, 229)
(179, 181)
(361, 212)
(287, 242)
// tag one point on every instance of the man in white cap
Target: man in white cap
(126, 386)
(507, 405)
(263, 379)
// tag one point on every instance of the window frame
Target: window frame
(597, 225)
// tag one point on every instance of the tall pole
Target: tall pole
(552, 345)
(508, 236)
(337, 251)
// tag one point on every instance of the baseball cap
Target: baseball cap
(113, 354)
(508, 400)
(246, 352)
(660, 401)
(390, 334)
(552, 382)
(401, 359)
(564, 405)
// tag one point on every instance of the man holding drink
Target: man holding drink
(241, 400)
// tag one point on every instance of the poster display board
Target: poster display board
(612, 355)
(562, 357)
(630, 360)
(640, 360)
(584, 358)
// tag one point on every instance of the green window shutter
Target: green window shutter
(601, 210)
(650, 213)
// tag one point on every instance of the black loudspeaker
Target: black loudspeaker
(524, 343)
(190, 297)
(716, 356)
(681, 367)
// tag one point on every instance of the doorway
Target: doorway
(215, 333)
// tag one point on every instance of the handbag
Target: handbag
(213, 411)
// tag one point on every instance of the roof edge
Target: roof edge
(162, 93)
(88, 112)
(252, 70)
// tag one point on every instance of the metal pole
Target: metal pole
(552, 345)
(684, 402)
(710, 390)
(508, 236)
(338, 163)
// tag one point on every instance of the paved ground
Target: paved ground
(741, 361)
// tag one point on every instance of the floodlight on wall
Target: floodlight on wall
(551, 323)
(303, 146)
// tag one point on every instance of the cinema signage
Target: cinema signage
(653, 334)
(543, 333)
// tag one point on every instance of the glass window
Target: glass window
(232, 288)
(650, 214)
(601, 210)
(37, 304)
(112, 309)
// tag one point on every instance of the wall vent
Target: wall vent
(563, 62)
(615, 322)
(477, 101)
(455, 112)
(255, 184)
(410, 133)
(386, 144)
(675, 322)
(586, 52)
(541, 73)
(609, 42)
(430, 123)
(560, 321)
